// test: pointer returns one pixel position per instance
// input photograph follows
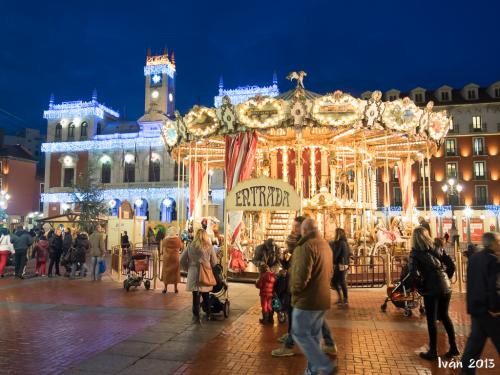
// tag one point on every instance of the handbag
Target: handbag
(206, 276)
(102, 266)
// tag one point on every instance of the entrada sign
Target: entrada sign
(263, 193)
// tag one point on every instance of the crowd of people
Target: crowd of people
(59, 248)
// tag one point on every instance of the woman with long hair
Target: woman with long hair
(200, 250)
(171, 245)
(431, 270)
(341, 252)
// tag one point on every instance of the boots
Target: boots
(264, 318)
(267, 318)
(453, 352)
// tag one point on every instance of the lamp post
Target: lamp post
(452, 189)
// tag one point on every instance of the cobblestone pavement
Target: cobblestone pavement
(52, 326)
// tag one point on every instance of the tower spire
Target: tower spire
(94, 95)
(221, 85)
(51, 101)
(172, 58)
(275, 79)
(148, 52)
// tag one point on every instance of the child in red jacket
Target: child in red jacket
(41, 253)
(266, 284)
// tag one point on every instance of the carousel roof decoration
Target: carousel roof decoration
(391, 128)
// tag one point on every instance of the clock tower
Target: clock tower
(159, 75)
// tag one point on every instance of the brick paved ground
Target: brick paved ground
(52, 326)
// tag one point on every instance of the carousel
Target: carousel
(326, 156)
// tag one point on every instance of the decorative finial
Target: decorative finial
(172, 58)
(221, 82)
(51, 101)
(148, 52)
(94, 95)
(299, 76)
(275, 79)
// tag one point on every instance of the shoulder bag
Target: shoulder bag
(206, 276)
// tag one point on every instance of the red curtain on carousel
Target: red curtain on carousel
(198, 174)
(240, 159)
(405, 184)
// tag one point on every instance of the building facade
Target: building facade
(128, 158)
(241, 94)
(469, 158)
(18, 182)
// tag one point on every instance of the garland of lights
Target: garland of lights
(441, 211)
(438, 125)
(218, 195)
(261, 112)
(78, 109)
(103, 144)
(493, 208)
(202, 121)
(159, 69)
(338, 109)
(241, 94)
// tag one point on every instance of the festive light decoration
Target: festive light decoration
(438, 125)
(104, 144)
(441, 211)
(159, 65)
(401, 115)
(261, 112)
(218, 195)
(201, 121)
(338, 109)
(78, 109)
(241, 94)
(493, 208)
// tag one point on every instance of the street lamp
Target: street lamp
(452, 189)
(4, 200)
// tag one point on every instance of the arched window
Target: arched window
(83, 129)
(106, 172)
(58, 134)
(71, 131)
(154, 170)
(129, 170)
(98, 129)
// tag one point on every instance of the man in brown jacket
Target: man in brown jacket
(312, 269)
(97, 251)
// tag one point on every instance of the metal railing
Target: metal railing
(120, 258)
(367, 272)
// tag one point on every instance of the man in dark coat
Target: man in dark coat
(55, 251)
(483, 300)
(21, 240)
(266, 253)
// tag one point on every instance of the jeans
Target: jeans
(325, 332)
(95, 268)
(20, 262)
(437, 307)
(54, 260)
(339, 283)
(196, 303)
(482, 328)
(74, 266)
(306, 331)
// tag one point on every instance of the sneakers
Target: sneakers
(453, 352)
(283, 352)
(196, 320)
(283, 338)
(331, 350)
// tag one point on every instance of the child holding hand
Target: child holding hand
(266, 285)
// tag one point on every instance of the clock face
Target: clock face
(155, 94)
(156, 80)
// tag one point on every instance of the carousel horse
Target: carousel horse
(385, 240)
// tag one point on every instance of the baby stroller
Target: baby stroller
(403, 297)
(137, 270)
(219, 296)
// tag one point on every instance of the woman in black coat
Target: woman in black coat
(431, 269)
(341, 253)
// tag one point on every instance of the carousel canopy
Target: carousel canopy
(389, 130)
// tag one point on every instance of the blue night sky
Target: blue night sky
(71, 47)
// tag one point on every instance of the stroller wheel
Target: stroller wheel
(226, 309)
(281, 317)
(421, 310)
(147, 284)
(383, 307)
(407, 313)
(125, 282)
(127, 285)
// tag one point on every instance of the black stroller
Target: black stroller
(219, 296)
(403, 296)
